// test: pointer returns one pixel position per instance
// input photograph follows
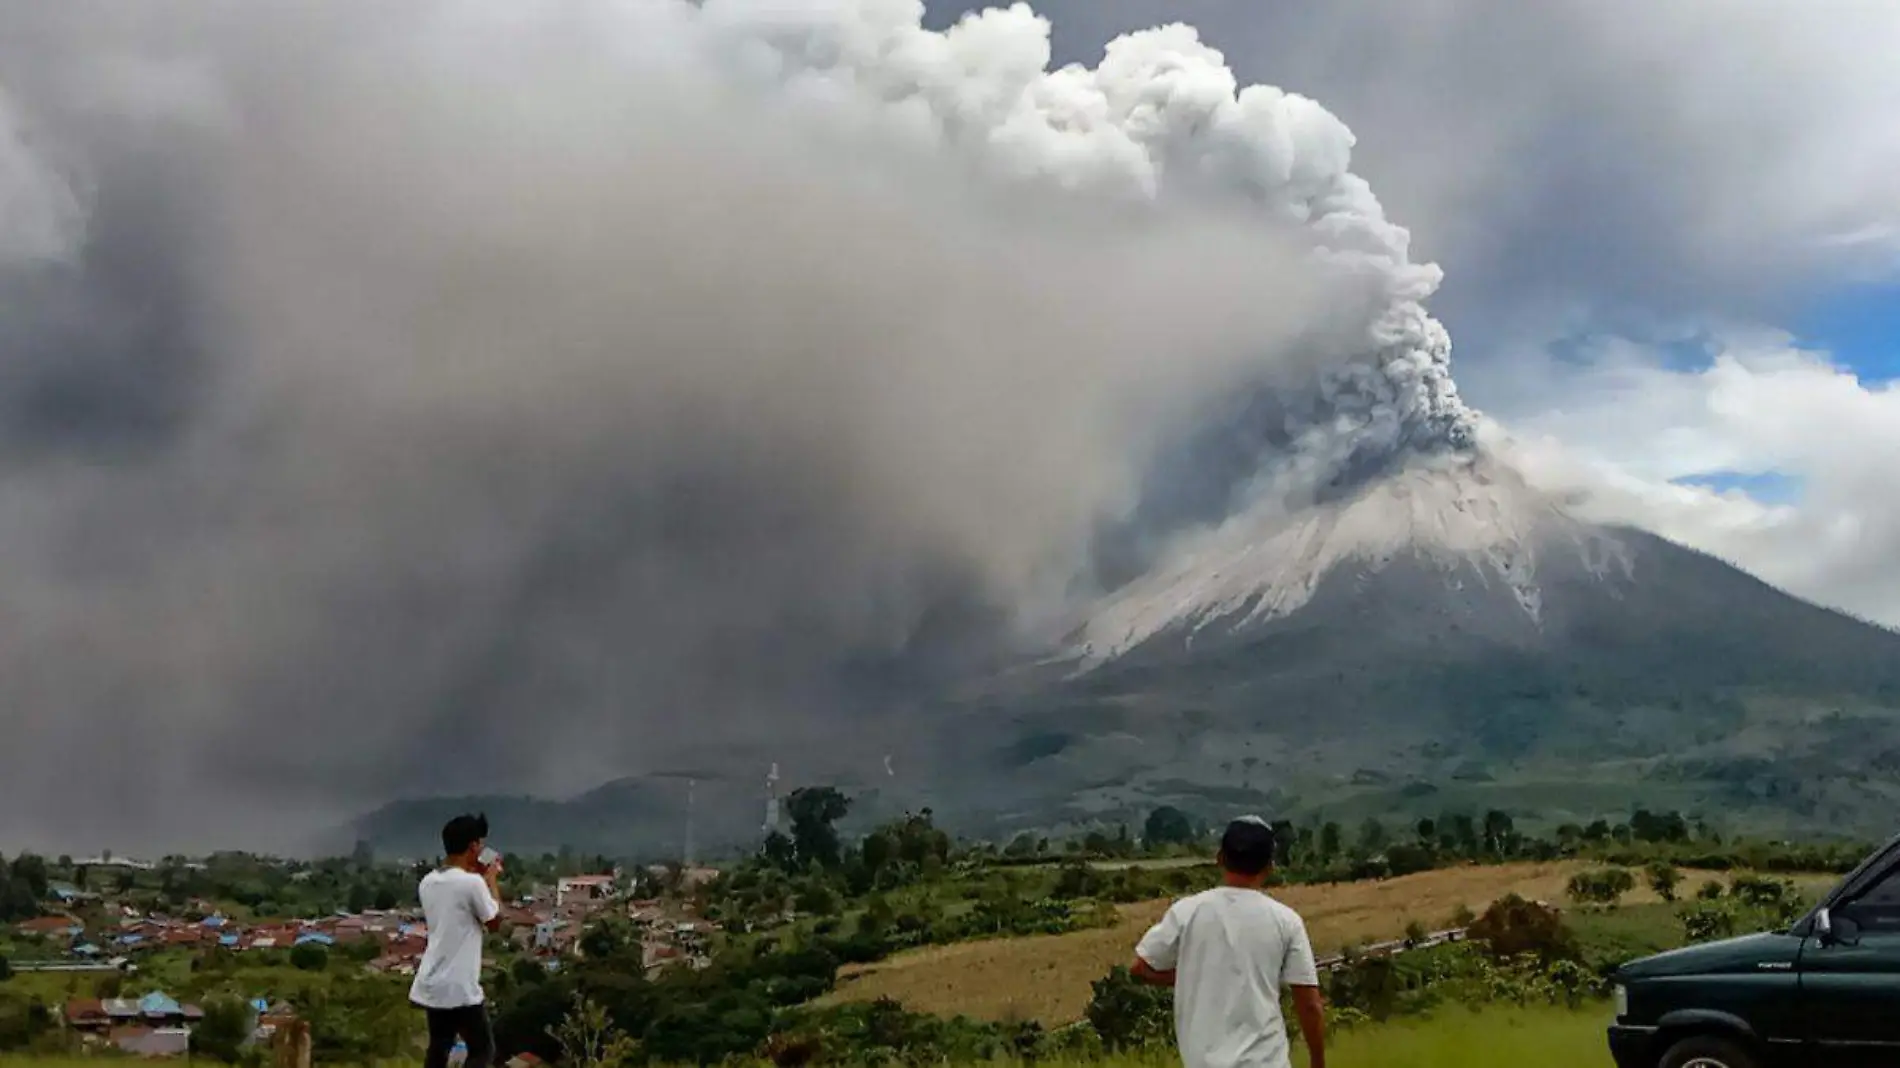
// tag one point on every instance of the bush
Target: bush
(309, 957)
(1706, 921)
(1129, 1014)
(1710, 891)
(1663, 878)
(1603, 886)
(885, 1033)
(222, 1033)
(22, 1020)
(1513, 927)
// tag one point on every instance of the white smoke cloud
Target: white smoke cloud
(481, 395)
(41, 219)
(1637, 439)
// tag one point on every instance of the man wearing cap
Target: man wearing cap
(1228, 953)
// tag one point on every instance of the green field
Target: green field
(1498, 1038)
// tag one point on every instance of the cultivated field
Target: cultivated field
(1047, 978)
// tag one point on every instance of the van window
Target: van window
(1878, 907)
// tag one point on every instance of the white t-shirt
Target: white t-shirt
(455, 904)
(1232, 952)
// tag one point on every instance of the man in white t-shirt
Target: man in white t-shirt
(460, 901)
(1228, 953)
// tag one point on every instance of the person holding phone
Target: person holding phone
(459, 901)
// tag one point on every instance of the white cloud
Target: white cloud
(1623, 429)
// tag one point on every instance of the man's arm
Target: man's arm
(1159, 951)
(488, 910)
(1151, 975)
(1311, 1009)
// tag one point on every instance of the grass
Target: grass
(1047, 978)
(1501, 1038)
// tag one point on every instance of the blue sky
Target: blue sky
(1860, 327)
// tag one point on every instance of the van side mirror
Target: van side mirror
(1824, 925)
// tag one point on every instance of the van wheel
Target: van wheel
(1708, 1051)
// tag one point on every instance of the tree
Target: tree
(1168, 826)
(1604, 886)
(1500, 832)
(1663, 878)
(1372, 835)
(1459, 833)
(1021, 847)
(779, 852)
(223, 1031)
(1513, 927)
(1286, 840)
(1427, 832)
(16, 898)
(1329, 840)
(309, 957)
(1659, 827)
(6, 968)
(588, 1038)
(814, 813)
(32, 870)
(605, 939)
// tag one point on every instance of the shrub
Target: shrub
(1710, 891)
(1706, 921)
(1513, 927)
(309, 957)
(223, 1031)
(1603, 886)
(1663, 878)
(1129, 1014)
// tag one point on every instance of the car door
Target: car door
(1850, 976)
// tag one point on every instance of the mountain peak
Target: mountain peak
(1469, 517)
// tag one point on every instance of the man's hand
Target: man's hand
(492, 876)
(1146, 974)
(1311, 1009)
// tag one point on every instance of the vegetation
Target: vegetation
(904, 946)
(1602, 886)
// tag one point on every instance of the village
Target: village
(88, 933)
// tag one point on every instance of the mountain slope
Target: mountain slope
(1444, 638)
(1445, 629)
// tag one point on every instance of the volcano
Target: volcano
(1446, 637)
(1443, 638)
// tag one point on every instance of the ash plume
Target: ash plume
(480, 396)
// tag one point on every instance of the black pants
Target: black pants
(470, 1024)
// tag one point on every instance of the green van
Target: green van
(1825, 992)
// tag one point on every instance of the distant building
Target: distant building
(582, 889)
(56, 927)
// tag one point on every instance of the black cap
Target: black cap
(1246, 847)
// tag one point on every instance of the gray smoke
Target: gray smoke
(471, 396)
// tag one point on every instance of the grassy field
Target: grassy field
(1047, 978)
(1546, 1038)
(1495, 1039)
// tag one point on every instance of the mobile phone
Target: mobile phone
(488, 857)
